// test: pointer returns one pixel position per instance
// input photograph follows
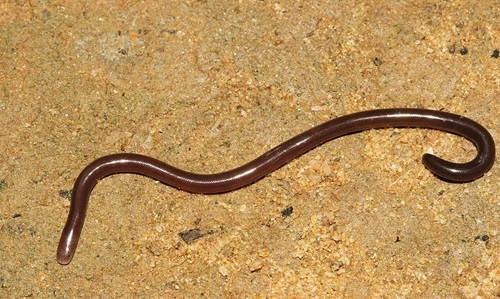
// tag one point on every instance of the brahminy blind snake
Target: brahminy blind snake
(277, 157)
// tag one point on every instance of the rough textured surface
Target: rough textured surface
(207, 86)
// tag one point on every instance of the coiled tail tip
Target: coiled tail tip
(456, 172)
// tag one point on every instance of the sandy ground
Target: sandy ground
(207, 86)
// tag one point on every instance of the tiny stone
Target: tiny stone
(464, 51)
(255, 265)
(46, 15)
(495, 54)
(190, 235)
(65, 194)
(223, 271)
(287, 212)
(336, 265)
(3, 184)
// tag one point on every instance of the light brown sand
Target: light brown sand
(207, 86)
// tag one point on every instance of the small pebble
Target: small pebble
(377, 61)
(484, 238)
(495, 54)
(65, 194)
(190, 235)
(464, 51)
(223, 271)
(287, 212)
(255, 265)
